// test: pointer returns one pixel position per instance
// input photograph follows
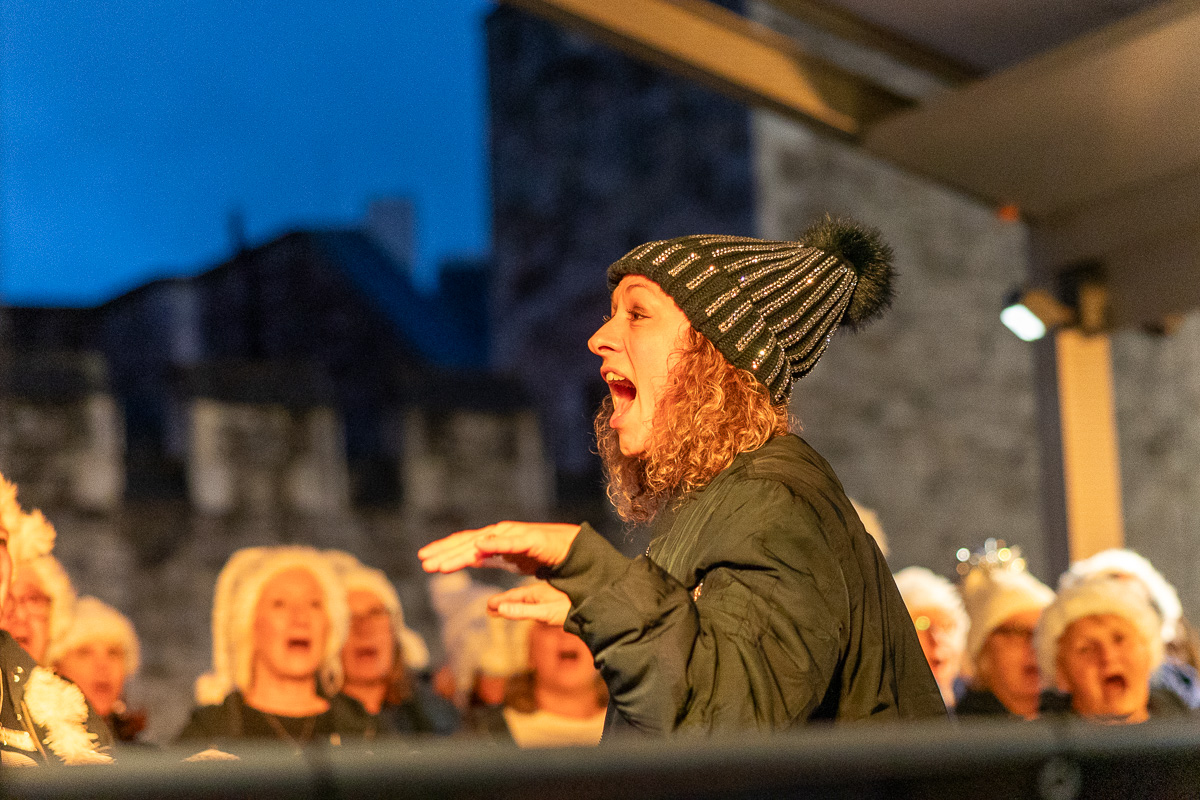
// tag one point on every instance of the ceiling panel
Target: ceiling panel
(992, 34)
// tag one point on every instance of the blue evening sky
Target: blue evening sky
(129, 129)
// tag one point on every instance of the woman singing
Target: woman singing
(761, 603)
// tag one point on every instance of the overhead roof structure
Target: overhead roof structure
(1096, 141)
(1083, 115)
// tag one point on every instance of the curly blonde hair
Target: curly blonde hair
(709, 412)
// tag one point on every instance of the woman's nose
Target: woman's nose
(602, 339)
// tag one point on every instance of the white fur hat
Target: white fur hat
(870, 521)
(54, 581)
(357, 577)
(991, 596)
(1118, 562)
(922, 588)
(476, 642)
(1093, 598)
(10, 510)
(30, 535)
(235, 602)
(97, 621)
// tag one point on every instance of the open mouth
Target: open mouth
(299, 644)
(1115, 684)
(568, 655)
(622, 390)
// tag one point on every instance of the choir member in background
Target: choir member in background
(555, 698)
(42, 599)
(1101, 640)
(941, 621)
(279, 621)
(99, 653)
(1178, 671)
(1004, 603)
(383, 659)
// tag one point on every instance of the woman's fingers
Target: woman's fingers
(517, 546)
(540, 602)
(452, 553)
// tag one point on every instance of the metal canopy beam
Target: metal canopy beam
(731, 54)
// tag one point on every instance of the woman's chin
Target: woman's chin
(631, 449)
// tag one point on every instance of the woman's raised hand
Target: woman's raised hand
(515, 546)
(537, 601)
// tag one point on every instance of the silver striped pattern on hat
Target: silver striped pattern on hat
(772, 311)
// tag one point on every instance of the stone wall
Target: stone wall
(262, 459)
(1157, 385)
(474, 468)
(928, 416)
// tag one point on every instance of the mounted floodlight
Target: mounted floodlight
(1023, 323)
(1030, 313)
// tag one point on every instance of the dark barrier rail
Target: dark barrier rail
(1055, 760)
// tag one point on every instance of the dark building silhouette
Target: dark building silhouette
(310, 318)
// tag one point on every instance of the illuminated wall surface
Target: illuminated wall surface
(299, 392)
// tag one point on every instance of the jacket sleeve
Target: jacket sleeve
(757, 649)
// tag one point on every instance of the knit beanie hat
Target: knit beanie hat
(1119, 562)
(770, 307)
(1094, 598)
(922, 588)
(235, 602)
(97, 621)
(355, 576)
(992, 596)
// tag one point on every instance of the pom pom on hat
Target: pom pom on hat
(1121, 562)
(30, 535)
(1097, 597)
(863, 249)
